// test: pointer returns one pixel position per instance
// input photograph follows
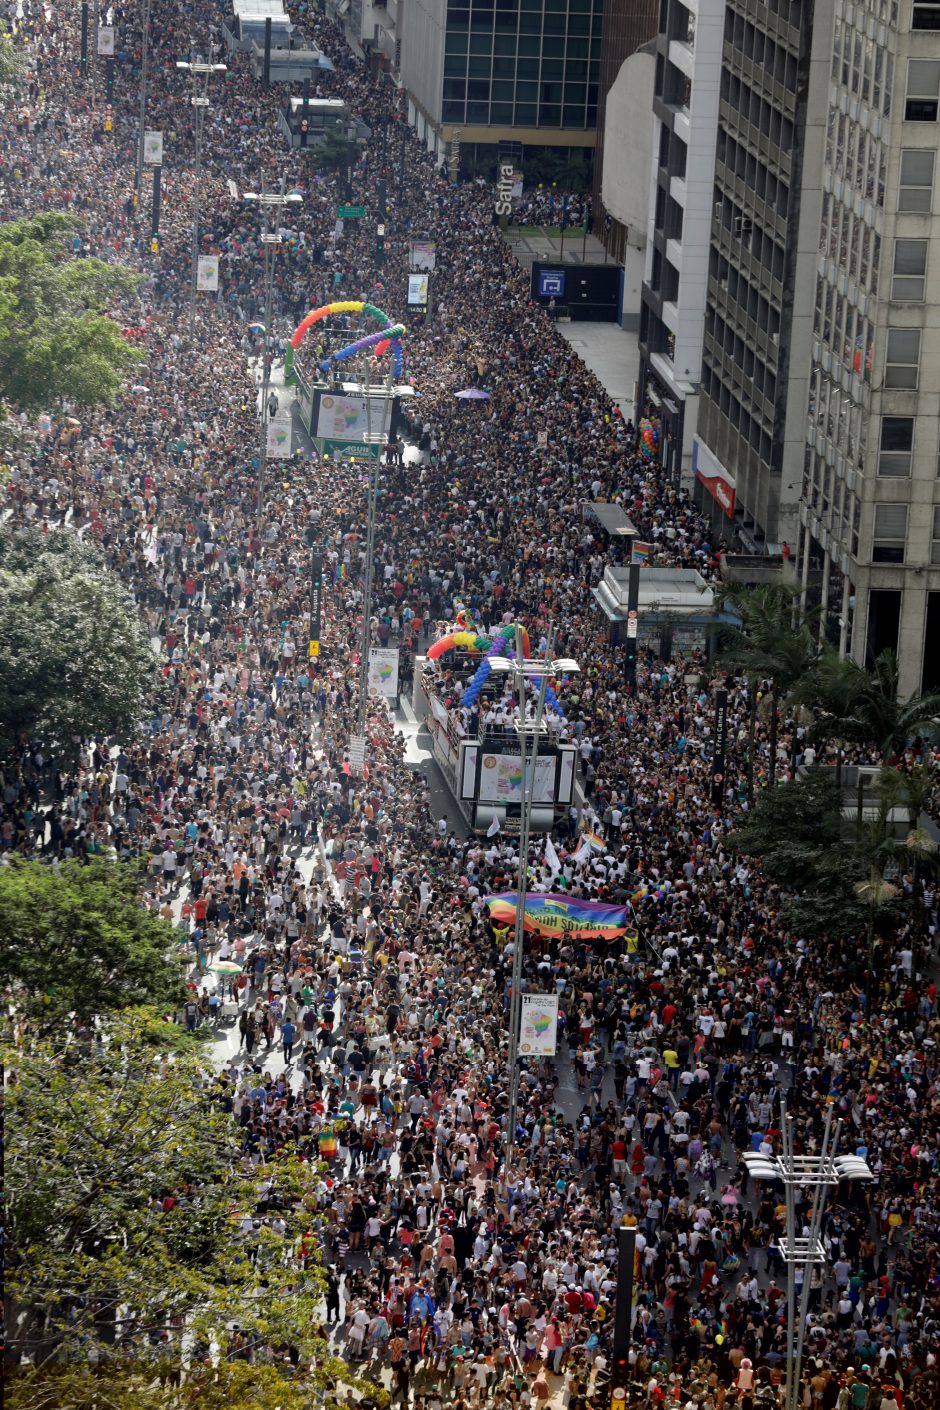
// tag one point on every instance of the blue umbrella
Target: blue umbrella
(473, 394)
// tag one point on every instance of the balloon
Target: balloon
(347, 306)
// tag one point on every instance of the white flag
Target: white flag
(584, 851)
(551, 856)
(493, 828)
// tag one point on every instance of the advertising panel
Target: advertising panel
(501, 778)
(538, 1033)
(383, 670)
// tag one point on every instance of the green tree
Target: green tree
(136, 1229)
(861, 706)
(74, 658)
(12, 67)
(795, 834)
(75, 941)
(56, 339)
(767, 643)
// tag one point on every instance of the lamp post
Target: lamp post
(368, 572)
(201, 73)
(144, 67)
(821, 1171)
(269, 240)
(523, 672)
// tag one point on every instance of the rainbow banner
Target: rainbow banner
(549, 914)
(640, 552)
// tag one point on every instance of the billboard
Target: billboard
(383, 670)
(501, 778)
(417, 290)
(278, 440)
(551, 284)
(207, 273)
(538, 1032)
(423, 255)
(347, 418)
(153, 148)
(106, 40)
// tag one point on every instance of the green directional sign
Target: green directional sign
(350, 212)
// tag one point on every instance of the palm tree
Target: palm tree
(863, 706)
(768, 645)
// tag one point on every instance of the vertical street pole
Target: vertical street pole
(316, 600)
(525, 822)
(633, 626)
(197, 194)
(144, 65)
(155, 208)
(786, 1139)
(84, 60)
(374, 464)
(720, 747)
(267, 52)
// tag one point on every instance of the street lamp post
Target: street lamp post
(537, 672)
(368, 574)
(201, 73)
(144, 66)
(269, 240)
(821, 1171)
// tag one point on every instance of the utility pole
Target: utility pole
(374, 464)
(537, 672)
(275, 201)
(201, 73)
(144, 67)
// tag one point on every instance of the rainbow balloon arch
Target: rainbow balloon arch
(388, 337)
(502, 643)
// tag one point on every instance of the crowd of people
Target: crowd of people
(369, 990)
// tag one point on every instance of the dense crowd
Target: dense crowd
(370, 969)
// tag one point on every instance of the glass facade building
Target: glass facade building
(522, 63)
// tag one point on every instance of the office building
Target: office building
(492, 73)
(628, 26)
(870, 512)
(679, 216)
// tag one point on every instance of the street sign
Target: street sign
(357, 752)
(350, 212)
(632, 624)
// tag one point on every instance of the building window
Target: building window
(915, 195)
(889, 533)
(922, 103)
(926, 17)
(903, 356)
(935, 536)
(896, 448)
(910, 271)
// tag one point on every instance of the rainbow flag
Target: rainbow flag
(596, 841)
(640, 552)
(552, 914)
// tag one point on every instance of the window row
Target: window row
(863, 67)
(889, 533)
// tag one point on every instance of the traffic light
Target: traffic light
(619, 1380)
(380, 242)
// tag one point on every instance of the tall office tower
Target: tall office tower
(681, 203)
(517, 74)
(870, 510)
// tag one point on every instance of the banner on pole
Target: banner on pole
(417, 290)
(153, 148)
(422, 255)
(551, 914)
(538, 1032)
(278, 438)
(383, 670)
(207, 273)
(106, 40)
(721, 746)
(316, 600)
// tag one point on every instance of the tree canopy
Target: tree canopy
(861, 705)
(74, 658)
(75, 940)
(56, 339)
(131, 1214)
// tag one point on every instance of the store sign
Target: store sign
(504, 184)
(712, 474)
